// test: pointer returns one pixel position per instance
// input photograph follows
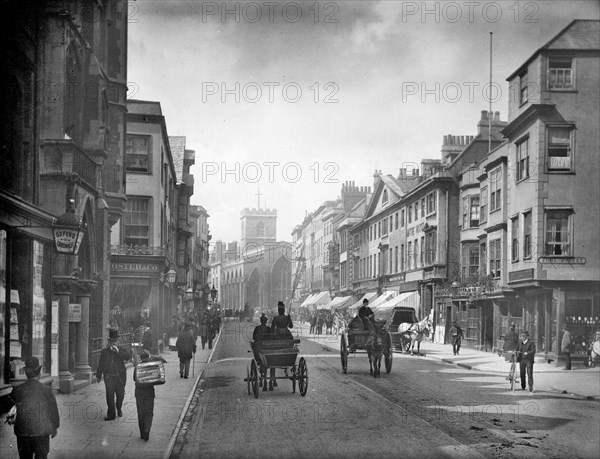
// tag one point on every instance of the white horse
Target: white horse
(338, 324)
(413, 333)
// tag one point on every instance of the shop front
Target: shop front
(141, 293)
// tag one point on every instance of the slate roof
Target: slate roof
(580, 34)
(177, 144)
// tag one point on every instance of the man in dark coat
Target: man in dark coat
(186, 347)
(566, 346)
(112, 365)
(525, 356)
(456, 334)
(262, 331)
(144, 399)
(37, 413)
(147, 338)
(367, 316)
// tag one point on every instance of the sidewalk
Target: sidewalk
(580, 381)
(84, 433)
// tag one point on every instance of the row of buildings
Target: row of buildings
(502, 228)
(96, 226)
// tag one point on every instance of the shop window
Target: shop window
(132, 296)
(582, 315)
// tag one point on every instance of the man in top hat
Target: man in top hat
(525, 356)
(366, 314)
(112, 366)
(567, 345)
(37, 413)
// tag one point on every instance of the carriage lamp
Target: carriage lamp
(213, 293)
(189, 293)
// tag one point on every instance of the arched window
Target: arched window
(384, 197)
(72, 95)
(260, 229)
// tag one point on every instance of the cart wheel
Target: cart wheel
(248, 379)
(254, 377)
(388, 352)
(302, 376)
(293, 378)
(344, 353)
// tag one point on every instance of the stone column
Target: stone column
(62, 291)
(83, 370)
(156, 309)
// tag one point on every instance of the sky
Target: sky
(285, 101)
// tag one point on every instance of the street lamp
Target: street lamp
(213, 293)
(171, 276)
(68, 231)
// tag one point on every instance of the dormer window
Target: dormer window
(384, 197)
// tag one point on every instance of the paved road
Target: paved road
(422, 408)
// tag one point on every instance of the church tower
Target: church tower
(259, 227)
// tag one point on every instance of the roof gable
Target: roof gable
(386, 185)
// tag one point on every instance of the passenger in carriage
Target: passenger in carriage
(262, 331)
(367, 316)
(282, 323)
(280, 329)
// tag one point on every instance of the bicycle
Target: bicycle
(514, 373)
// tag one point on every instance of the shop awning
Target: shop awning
(320, 299)
(406, 299)
(307, 301)
(367, 296)
(338, 302)
(385, 296)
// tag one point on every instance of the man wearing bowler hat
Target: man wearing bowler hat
(112, 366)
(525, 356)
(37, 413)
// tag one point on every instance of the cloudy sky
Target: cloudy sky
(298, 97)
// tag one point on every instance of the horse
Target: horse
(374, 347)
(413, 333)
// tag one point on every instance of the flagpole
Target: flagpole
(490, 100)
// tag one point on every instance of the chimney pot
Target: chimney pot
(484, 115)
(497, 116)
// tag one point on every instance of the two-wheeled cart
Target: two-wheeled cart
(354, 341)
(276, 354)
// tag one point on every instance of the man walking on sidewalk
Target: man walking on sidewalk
(112, 365)
(566, 345)
(456, 333)
(186, 348)
(525, 356)
(37, 413)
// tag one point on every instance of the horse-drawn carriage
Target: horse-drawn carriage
(375, 340)
(272, 355)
